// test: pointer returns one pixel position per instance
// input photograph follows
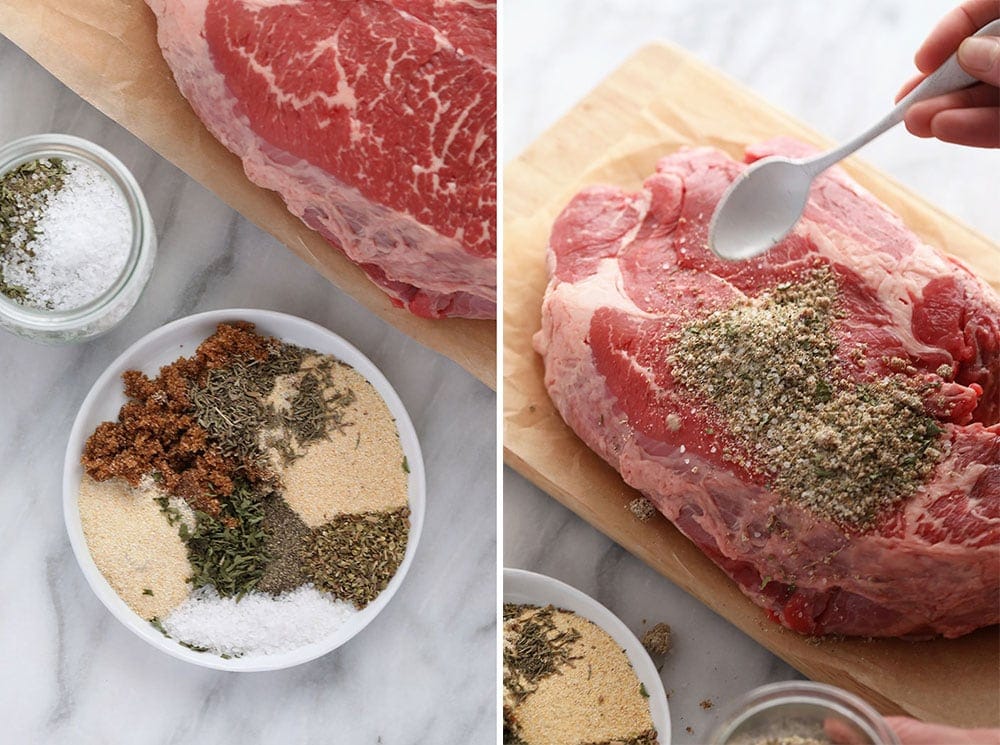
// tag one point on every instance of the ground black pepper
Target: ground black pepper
(284, 544)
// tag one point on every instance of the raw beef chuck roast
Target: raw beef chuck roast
(375, 120)
(822, 421)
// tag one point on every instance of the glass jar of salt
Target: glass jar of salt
(802, 713)
(77, 242)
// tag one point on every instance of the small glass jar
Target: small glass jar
(806, 710)
(104, 311)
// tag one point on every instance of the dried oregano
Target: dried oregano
(354, 556)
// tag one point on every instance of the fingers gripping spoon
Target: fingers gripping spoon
(766, 201)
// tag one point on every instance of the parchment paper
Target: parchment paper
(106, 51)
(656, 102)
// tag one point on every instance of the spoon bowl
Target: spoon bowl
(762, 206)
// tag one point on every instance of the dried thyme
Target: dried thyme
(354, 556)
(231, 403)
(846, 450)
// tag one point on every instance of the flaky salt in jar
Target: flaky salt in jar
(77, 242)
(802, 713)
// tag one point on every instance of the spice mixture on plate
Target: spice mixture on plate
(249, 499)
(65, 233)
(566, 682)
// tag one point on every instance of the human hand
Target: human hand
(914, 732)
(970, 116)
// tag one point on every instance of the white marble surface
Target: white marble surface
(835, 65)
(422, 672)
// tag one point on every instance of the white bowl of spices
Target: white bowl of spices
(260, 499)
(573, 671)
(77, 242)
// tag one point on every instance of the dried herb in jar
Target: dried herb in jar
(24, 194)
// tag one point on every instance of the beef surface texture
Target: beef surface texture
(375, 120)
(821, 421)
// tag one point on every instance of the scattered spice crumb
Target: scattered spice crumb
(706, 703)
(657, 640)
(642, 509)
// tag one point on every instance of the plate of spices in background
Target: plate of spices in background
(243, 489)
(573, 671)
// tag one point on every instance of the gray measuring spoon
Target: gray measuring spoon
(766, 201)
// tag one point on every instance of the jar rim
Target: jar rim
(836, 700)
(55, 145)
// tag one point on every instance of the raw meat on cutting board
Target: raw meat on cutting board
(375, 120)
(629, 272)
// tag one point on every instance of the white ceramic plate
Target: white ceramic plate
(162, 347)
(520, 586)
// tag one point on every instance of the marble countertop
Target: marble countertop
(837, 67)
(422, 672)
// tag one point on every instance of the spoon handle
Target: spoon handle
(947, 78)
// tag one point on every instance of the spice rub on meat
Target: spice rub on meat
(822, 421)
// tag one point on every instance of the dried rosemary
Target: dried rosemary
(354, 556)
(534, 648)
(316, 409)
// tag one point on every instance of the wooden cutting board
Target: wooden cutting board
(106, 51)
(658, 100)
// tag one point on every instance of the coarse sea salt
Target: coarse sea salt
(84, 234)
(257, 624)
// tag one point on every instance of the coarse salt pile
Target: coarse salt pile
(83, 238)
(258, 623)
